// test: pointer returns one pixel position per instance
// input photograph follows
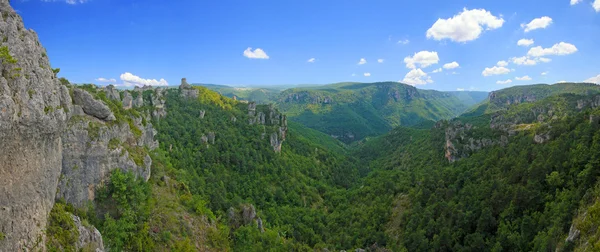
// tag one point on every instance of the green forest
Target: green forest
(399, 191)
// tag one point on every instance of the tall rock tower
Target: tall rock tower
(32, 116)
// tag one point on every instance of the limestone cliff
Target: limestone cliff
(31, 122)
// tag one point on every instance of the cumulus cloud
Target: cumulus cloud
(417, 77)
(502, 63)
(465, 26)
(594, 79)
(504, 82)
(495, 70)
(596, 5)
(439, 70)
(367, 74)
(525, 42)
(256, 54)
(362, 61)
(460, 89)
(404, 41)
(380, 60)
(451, 65)
(545, 73)
(574, 2)
(538, 23)
(105, 80)
(561, 48)
(524, 78)
(132, 80)
(422, 58)
(311, 60)
(523, 61)
(545, 60)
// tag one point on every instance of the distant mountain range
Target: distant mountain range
(351, 111)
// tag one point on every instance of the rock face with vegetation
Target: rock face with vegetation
(31, 122)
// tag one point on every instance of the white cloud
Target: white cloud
(538, 23)
(423, 58)
(417, 77)
(367, 74)
(596, 5)
(545, 73)
(523, 61)
(593, 80)
(504, 82)
(465, 26)
(353, 74)
(311, 60)
(524, 78)
(545, 60)
(133, 80)
(439, 70)
(106, 80)
(562, 81)
(561, 48)
(451, 65)
(574, 2)
(380, 60)
(460, 89)
(495, 70)
(362, 61)
(525, 42)
(404, 41)
(256, 54)
(502, 63)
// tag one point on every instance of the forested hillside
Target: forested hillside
(232, 175)
(351, 111)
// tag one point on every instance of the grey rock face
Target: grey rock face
(112, 93)
(202, 113)
(127, 100)
(92, 106)
(187, 90)
(30, 144)
(139, 101)
(89, 239)
(88, 158)
(573, 234)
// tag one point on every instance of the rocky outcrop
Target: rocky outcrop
(112, 93)
(89, 238)
(158, 101)
(92, 106)
(244, 215)
(186, 90)
(31, 120)
(138, 101)
(92, 150)
(541, 138)
(573, 234)
(459, 140)
(127, 100)
(202, 113)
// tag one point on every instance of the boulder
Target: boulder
(92, 106)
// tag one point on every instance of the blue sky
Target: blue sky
(158, 42)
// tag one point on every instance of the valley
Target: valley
(350, 166)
